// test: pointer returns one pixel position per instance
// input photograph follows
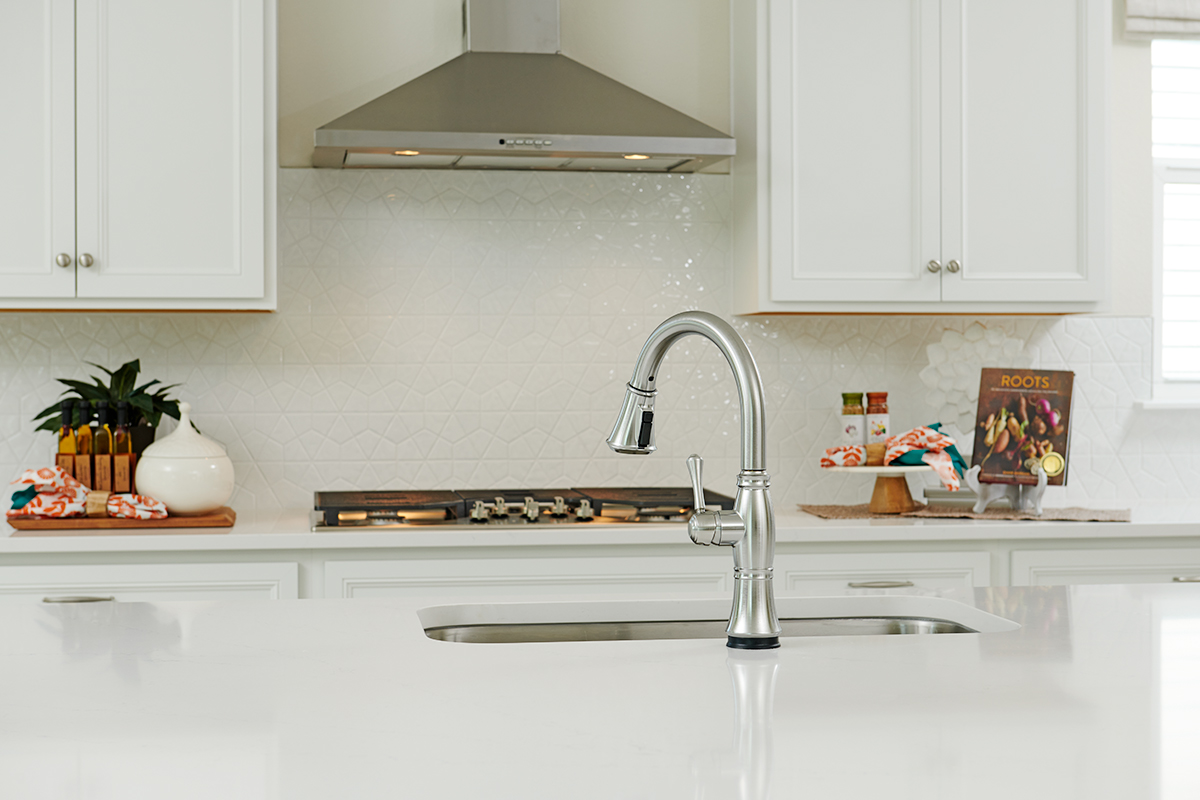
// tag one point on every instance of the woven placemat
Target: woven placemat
(951, 512)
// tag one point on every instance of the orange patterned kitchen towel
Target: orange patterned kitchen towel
(60, 495)
(935, 444)
(922, 438)
(848, 455)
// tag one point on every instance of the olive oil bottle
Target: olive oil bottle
(83, 433)
(65, 459)
(102, 448)
(102, 442)
(122, 447)
(66, 431)
(83, 443)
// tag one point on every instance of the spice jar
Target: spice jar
(854, 429)
(878, 422)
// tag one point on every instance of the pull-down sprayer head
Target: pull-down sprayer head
(634, 432)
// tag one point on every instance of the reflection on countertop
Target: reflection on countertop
(1096, 695)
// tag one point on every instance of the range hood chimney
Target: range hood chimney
(513, 101)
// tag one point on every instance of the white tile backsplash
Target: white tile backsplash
(476, 329)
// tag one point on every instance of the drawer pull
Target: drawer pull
(1186, 579)
(880, 584)
(77, 598)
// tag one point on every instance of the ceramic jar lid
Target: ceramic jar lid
(184, 441)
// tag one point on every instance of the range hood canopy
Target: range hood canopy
(513, 102)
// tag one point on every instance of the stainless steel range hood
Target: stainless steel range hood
(511, 101)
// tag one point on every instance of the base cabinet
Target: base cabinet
(1072, 567)
(528, 576)
(150, 582)
(829, 574)
(817, 574)
(620, 570)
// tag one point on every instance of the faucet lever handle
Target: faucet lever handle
(695, 465)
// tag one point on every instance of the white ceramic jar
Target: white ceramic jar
(188, 472)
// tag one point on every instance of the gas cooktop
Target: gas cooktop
(389, 509)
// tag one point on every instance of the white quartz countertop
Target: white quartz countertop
(291, 530)
(1096, 695)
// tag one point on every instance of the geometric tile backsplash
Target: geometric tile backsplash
(476, 329)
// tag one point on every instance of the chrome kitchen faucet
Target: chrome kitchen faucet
(750, 527)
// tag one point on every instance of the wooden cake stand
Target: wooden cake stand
(891, 495)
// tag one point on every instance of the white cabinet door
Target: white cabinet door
(150, 582)
(529, 576)
(1059, 567)
(1023, 150)
(922, 156)
(171, 147)
(853, 150)
(37, 191)
(869, 573)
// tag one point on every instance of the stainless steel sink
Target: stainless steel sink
(495, 633)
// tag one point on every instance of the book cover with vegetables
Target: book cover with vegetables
(1024, 419)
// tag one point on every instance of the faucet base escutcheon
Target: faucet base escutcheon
(752, 643)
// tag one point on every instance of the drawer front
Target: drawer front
(151, 582)
(1068, 567)
(873, 573)
(529, 576)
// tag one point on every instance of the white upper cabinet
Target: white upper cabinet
(37, 191)
(154, 128)
(920, 156)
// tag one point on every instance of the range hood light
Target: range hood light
(636, 157)
(408, 152)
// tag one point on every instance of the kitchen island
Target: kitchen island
(1096, 695)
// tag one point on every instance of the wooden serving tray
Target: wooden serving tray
(223, 518)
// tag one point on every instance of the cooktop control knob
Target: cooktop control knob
(479, 512)
(559, 508)
(532, 510)
(585, 510)
(501, 509)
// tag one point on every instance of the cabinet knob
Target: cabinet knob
(953, 266)
(933, 266)
(86, 260)
(63, 260)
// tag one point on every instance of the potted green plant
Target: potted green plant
(146, 407)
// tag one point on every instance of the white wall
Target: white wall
(333, 57)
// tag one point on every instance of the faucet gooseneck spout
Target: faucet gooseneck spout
(750, 527)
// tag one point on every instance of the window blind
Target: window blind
(1148, 19)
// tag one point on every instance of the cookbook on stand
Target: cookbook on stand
(1023, 422)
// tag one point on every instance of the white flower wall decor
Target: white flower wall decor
(953, 374)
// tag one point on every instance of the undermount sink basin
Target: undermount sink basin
(682, 629)
(620, 620)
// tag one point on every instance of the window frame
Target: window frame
(1169, 391)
